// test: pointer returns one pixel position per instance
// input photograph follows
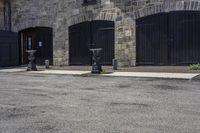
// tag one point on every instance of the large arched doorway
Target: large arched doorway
(99, 33)
(40, 39)
(168, 38)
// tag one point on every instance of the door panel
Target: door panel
(103, 37)
(44, 45)
(98, 33)
(152, 40)
(9, 49)
(168, 38)
(185, 41)
(79, 40)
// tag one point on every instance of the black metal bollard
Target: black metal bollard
(31, 58)
(115, 64)
(96, 67)
(47, 64)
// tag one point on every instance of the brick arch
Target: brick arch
(168, 6)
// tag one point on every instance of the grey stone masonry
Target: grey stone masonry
(60, 14)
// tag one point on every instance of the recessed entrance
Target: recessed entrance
(86, 35)
(40, 39)
(168, 38)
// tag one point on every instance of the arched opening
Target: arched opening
(40, 39)
(91, 34)
(168, 38)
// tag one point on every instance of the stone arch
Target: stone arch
(30, 24)
(121, 38)
(89, 17)
(27, 28)
(168, 6)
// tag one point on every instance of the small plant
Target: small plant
(195, 66)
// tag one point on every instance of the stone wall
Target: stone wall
(45, 13)
(60, 14)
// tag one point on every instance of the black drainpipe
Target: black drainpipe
(7, 15)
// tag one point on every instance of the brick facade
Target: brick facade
(60, 14)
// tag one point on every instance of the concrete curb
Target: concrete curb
(160, 75)
(187, 76)
(60, 72)
(12, 70)
(196, 78)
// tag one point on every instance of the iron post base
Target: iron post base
(96, 69)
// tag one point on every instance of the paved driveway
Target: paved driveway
(36, 103)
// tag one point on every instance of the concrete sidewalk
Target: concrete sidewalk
(11, 70)
(47, 71)
(60, 72)
(156, 69)
(153, 75)
(164, 75)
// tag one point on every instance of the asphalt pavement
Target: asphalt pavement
(41, 103)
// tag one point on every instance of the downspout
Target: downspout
(7, 15)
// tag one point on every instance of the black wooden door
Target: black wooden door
(40, 39)
(98, 33)
(103, 37)
(9, 49)
(79, 40)
(184, 37)
(44, 45)
(168, 38)
(151, 42)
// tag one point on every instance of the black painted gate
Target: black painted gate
(168, 38)
(98, 33)
(9, 49)
(40, 39)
